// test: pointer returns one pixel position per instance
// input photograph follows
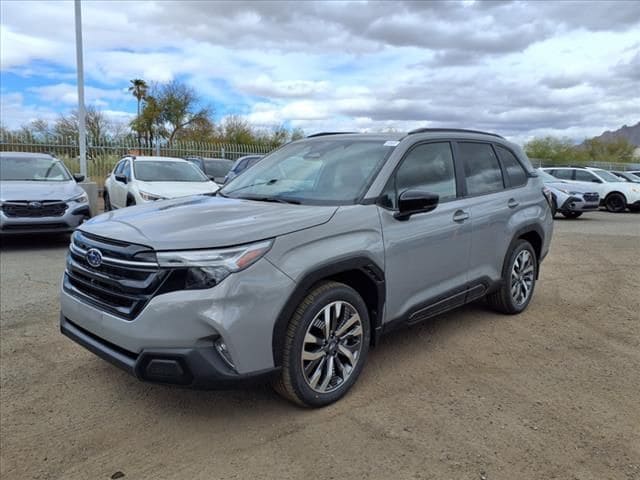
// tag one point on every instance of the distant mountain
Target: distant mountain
(632, 134)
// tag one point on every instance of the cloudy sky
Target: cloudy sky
(522, 69)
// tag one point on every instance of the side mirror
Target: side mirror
(411, 202)
(78, 178)
(121, 177)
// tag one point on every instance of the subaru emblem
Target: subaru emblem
(94, 257)
(35, 205)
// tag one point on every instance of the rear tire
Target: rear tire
(615, 202)
(325, 346)
(518, 280)
(572, 214)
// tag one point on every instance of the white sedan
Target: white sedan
(136, 180)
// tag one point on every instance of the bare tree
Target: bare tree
(180, 105)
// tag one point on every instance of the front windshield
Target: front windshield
(328, 171)
(167, 171)
(607, 177)
(33, 169)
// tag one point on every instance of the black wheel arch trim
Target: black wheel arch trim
(361, 263)
(531, 228)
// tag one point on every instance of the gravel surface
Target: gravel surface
(552, 393)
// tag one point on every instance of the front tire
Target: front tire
(615, 202)
(107, 202)
(130, 201)
(518, 280)
(325, 347)
(554, 206)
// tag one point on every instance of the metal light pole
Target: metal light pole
(82, 140)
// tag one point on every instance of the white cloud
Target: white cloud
(66, 93)
(520, 68)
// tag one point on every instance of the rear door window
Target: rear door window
(481, 168)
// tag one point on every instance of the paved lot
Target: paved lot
(552, 393)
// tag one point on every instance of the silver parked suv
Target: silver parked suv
(297, 267)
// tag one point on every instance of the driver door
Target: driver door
(119, 189)
(427, 255)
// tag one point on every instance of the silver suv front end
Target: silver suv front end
(138, 309)
(45, 216)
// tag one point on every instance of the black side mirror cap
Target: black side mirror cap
(121, 177)
(411, 202)
(78, 178)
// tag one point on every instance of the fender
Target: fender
(328, 270)
(529, 228)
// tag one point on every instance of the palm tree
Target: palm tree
(138, 89)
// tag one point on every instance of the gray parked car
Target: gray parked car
(570, 199)
(240, 165)
(39, 195)
(297, 267)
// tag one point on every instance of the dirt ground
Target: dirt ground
(551, 394)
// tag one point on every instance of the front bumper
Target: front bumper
(73, 216)
(197, 367)
(241, 310)
(577, 204)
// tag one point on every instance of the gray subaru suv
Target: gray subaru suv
(295, 269)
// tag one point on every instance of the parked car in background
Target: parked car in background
(615, 194)
(38, 194)
(296, 267)
(241, 165)
(135, 180)
(214, 168)
(570, 199)
(627, 176)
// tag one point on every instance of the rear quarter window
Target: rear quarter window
(515, 172)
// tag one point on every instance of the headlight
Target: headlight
(81, 198)
(150, 197)
(196, 269)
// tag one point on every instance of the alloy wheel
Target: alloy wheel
(522, 277)
(332, 346)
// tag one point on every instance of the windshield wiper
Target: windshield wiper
(257, 184)
(274, 198)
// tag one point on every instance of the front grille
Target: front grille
(591, 197)
(126, 280)
(36, 226)
(34, 209)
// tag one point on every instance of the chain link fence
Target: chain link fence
(102, 157)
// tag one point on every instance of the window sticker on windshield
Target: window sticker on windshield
(391, 143)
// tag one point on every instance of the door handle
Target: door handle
(512, 203)
(460, 216)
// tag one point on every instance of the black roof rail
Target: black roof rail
(322, 134)
(458, 130)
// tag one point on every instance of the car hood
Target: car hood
(16, 190)
(176, 189)
(581, 187)
(205, 222)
